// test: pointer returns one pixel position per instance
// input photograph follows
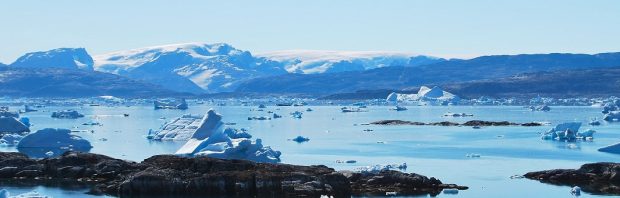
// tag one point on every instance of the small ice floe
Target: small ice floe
(540, 108)
(391, 193)
(170, 104)
(381, 142)
(300, 139)
(346, 161)
(457, 115)
(450, 191)
(576, 190)
(67, 114)
(262, 106)
(309, 110)
(399, 108)
(367, 130)
(473, 155)
(351, 109)
(259, 118)
(275, 116)
(517, 177)
(594, 123)
(49, 153)
(103, 139)
(92, 123)
(476, 127)
(297, 114)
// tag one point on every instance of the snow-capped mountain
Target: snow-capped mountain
(68, 58)
(192, 67)
(317, 61)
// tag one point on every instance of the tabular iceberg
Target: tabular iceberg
(68, 114)
(433, 96)
(213, 139)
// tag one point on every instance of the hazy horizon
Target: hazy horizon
(438, 28)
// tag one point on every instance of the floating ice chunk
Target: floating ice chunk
(69, 114)
(586, 134)
(53, 138)
(300, 139)
(4, 193)
(612, 116)
(10, 139)
(564, 131)
(297, 114)
(167, 104)
(540, 108)
(576, 190)
(12, 125)
(213, 139)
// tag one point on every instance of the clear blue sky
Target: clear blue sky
(436, 27)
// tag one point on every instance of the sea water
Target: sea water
(434, 151)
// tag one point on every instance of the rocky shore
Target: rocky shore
(596, 178)
(168, 175)
(446, 123)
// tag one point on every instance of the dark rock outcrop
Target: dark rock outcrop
(446, 123)
(168, 175)
(597, 178)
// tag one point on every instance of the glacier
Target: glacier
(319, 61)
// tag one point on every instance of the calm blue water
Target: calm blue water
(429, 150)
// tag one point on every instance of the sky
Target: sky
(444, 28)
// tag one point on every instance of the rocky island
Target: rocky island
(596, 178)
(447, 123)
(169, 175)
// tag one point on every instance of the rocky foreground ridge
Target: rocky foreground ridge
(169, 175)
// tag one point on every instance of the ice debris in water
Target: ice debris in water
(300, 139)
(382, 167)
(213, 139)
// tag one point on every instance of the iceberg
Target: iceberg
(11, 125)
(170, 104)
(178, 129)
(433, 96)
(213, 139)
(567, 131)
(300, 139)
(4, 193)
(4, 112)
(68, 114)
(614, 148)
(612, 116)
(54, 138)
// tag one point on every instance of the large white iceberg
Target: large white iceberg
(213, 139)
(54, 138)
(431, 96)
(12, 125)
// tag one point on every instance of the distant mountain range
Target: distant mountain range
(402, 78)
(62, 82)
(213, 69)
